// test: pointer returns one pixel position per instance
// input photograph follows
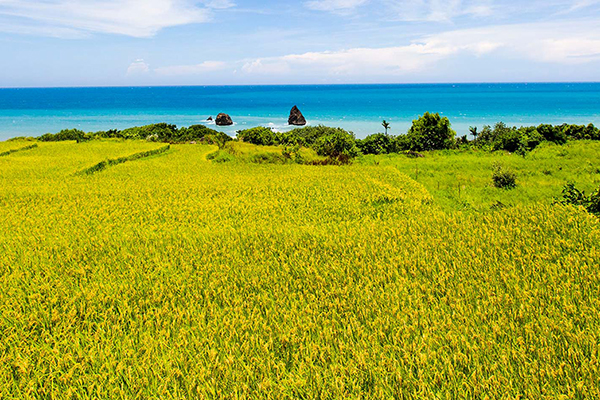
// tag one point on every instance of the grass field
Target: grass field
(174, 276)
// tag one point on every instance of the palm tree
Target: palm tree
(473, 130)
(385, 125)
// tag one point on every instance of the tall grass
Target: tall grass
(9, 152)
(183, 278)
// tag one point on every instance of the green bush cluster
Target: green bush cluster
(160, 132)
(428, 132)
(334, 143)
(573, 196)
(527, 138)
(504, 178)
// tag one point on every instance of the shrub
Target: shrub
(504, 178)
(580, 132)
(378, 143)
(198, 132)
(164, 132)
(308, 135)
(65, 134)
(220, 156)
(339, 145)
(260, 136)
(573, 196)
(430, 132)
(552, 133)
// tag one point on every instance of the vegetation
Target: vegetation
(161, 132)
(504, 178)
(338, 145)
(379, 143)
(459, 179)
(11, 151)
(573, 196)
(178, 277)
(120, 160)
(430, 132)
(386, 126)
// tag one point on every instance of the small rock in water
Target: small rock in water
(209, 119)
(223, 120)
(296, 117)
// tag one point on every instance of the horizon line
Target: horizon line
(300, 84)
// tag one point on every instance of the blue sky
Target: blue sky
(214, 42)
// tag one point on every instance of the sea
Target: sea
(357, 108)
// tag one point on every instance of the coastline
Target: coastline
(357, 108)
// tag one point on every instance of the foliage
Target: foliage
(378, 143)
(430, 132)
(385, 125)
(525, 139)
(160, 132)
(339, 145)
(580, 132)
(504, 178)
(65, 134)
(259, 135)
(573, 196)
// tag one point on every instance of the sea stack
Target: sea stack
(296, 117)
(223, 120)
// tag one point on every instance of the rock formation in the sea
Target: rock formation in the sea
(223, 120)
(296, 117)
(209, 119)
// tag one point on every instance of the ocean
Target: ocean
(358, 108)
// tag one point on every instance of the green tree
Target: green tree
(431, 132)
(474, 133)
(339, 145)
(385, 125)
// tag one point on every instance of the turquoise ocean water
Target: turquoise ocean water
(359, 108)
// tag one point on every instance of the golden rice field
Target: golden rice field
(174, 277)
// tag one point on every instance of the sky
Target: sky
(47, 43)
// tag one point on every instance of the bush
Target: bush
(339, 145)
(65, 134)
(260, 136)
(504, 178)
(199, 132)
(580, 132)
(220, 156)
(552, 134)
(378, 143)
(164, 132)
(430, 132)
(573, 196)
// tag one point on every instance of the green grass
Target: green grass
(462, 180)
(179, 277)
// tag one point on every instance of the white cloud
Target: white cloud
(563, 43)
(205, 67)
(138, 18)
(138, 67)
(436, 10)
(334, 5)
(219, 4)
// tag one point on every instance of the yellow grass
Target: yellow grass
(176, 277)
